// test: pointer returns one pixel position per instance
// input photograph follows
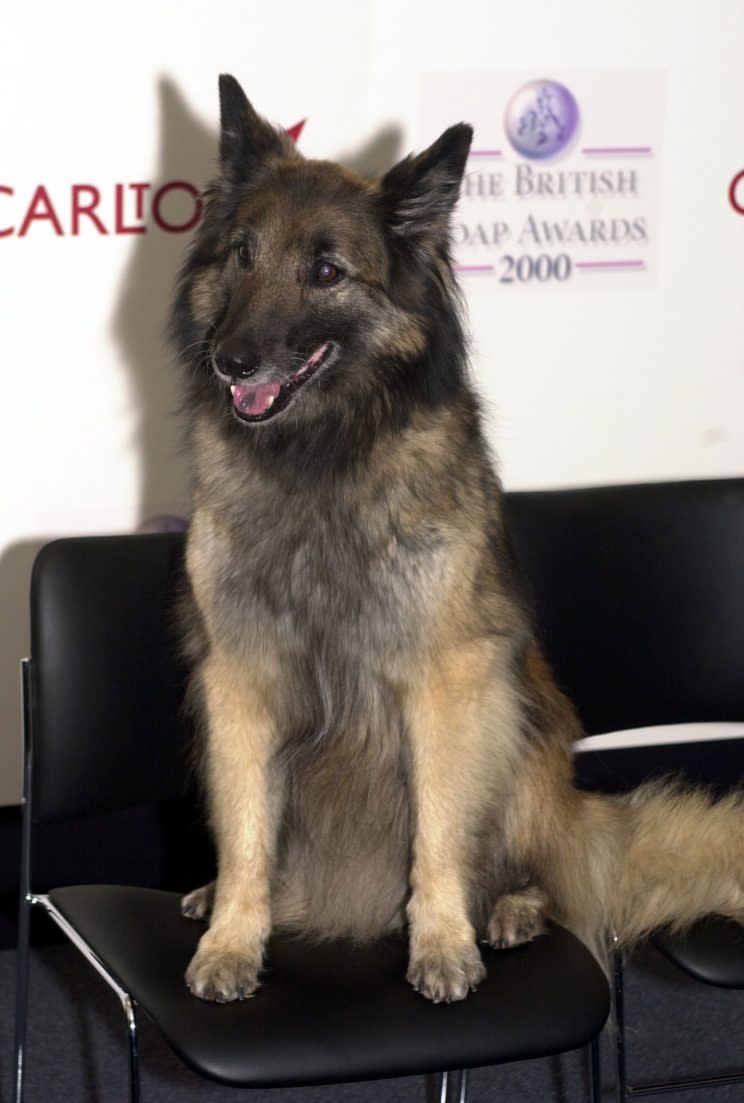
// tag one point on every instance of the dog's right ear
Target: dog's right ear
(246, 140)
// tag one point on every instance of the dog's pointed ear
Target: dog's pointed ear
(420, 192)
(246, 140)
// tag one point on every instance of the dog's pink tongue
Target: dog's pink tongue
(253, 401)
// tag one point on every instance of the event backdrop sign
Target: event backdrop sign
(563, 181)
(626, 372)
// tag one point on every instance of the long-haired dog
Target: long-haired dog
(383, 741)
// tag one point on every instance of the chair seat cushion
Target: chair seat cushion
(333, 1012)
(711, 951)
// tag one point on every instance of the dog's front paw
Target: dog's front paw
(517, 917)
(223, 975)
(448, 975)
(198, 904)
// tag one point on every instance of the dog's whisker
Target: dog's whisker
(195, 345)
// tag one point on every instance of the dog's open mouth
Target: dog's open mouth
(267, 399)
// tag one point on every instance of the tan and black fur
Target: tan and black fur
(383, 742)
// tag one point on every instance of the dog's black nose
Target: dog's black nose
(236, 365)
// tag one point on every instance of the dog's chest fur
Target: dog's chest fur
(329, 595)
(342, 578)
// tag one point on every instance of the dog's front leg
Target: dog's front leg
(245, 797)
(449, 787)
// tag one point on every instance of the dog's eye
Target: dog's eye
(326, 273)
(243, 254)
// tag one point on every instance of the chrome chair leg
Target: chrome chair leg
(127, 1001)
(464, 1087)
(25, 898)
(596, 1082)
(130, 1008)
(21, 1019)
(444, 1088)
(454, 1087)
(619, 1000)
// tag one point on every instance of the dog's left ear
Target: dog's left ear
(420, 191)
(246, 140)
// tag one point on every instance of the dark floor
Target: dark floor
(76, 1050)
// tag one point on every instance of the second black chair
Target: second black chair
(639, 593)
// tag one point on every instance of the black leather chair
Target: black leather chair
(639, 594)
(102, 692)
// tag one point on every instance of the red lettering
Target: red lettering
(40, 208)
(736, 203)
(6, 191)
(139, 201)
(176, 227)
(80, 207)
(120, 227)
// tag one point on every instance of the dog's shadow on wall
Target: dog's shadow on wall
(187, 152)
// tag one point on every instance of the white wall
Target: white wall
(584, 384)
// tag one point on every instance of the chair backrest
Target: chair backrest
(638, 594)
(106, 685)
(639, 598)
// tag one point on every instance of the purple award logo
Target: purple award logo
(541, 119)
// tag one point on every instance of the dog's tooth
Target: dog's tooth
(270, 403)
(232, 389)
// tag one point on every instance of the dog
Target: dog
(383, 744)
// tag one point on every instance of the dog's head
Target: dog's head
(309, 288)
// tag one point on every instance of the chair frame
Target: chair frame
(444, 1087)
(626, 1090)
(27, 899)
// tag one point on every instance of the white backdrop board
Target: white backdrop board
(108, 133)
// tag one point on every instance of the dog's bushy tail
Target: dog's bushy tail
(682, 858)
(662, 856)
(615, 868)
